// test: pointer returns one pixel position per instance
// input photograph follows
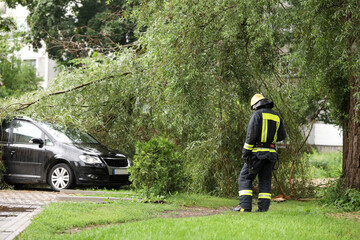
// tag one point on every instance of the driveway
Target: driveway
(38, 197)
(17, 207)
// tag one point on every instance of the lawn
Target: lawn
(132, 220)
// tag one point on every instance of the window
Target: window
(67, 134)
(30, 62)
(48, 142)
(23, 132)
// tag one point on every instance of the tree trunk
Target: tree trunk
(351, 146)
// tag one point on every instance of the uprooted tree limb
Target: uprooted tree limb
(20, 106)
(23, 106)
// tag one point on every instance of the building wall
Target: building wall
(45, 67)
(326, 137)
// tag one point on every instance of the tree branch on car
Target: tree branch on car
(23, 106)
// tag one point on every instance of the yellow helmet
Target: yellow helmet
(256, 98)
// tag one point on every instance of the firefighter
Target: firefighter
(259, 154)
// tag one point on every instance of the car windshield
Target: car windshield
(67, 134)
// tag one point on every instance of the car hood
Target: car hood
(96, 149)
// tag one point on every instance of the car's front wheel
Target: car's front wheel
(60, 177)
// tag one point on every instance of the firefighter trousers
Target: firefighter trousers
(263, 169)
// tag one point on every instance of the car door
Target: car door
(24, 158)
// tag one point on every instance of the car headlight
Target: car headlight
(129, 162)
(89, 159)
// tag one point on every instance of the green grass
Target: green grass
(56, 218)
(132, 220)
(196, 200)
(282, 224)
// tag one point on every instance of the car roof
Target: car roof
(23, 118)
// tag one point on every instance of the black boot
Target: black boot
(260, 210)
(238, 208)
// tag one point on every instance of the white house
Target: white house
(326, 137)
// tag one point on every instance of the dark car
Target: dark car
(36, 152)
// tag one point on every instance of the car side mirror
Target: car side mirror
(37, 141)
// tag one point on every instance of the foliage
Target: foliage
(344, 199)
(190, 78)
(208, 58)
(319, 51)
(3, 184)
(325, 165)
(73, 29)
(325, 51)
(16, 77)
(6, 24)
(158, 168)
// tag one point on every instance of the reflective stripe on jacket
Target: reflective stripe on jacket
(265, 129)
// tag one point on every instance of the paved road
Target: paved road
(17, 208)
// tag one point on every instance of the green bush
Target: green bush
(158, 168)
(3, 185)
(343, 199)
(325, 165)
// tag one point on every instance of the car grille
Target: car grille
(116, 162)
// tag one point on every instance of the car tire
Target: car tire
(60, 177)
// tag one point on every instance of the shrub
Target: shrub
(157, 168)
(343, 199)
(325, 165)
(3, 184)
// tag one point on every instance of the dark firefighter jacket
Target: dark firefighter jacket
(264, 130)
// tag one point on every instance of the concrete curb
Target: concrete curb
(83, 192)
(67, 195)
(87, 199)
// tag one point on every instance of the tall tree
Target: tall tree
(77, 28)
(326, 49)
